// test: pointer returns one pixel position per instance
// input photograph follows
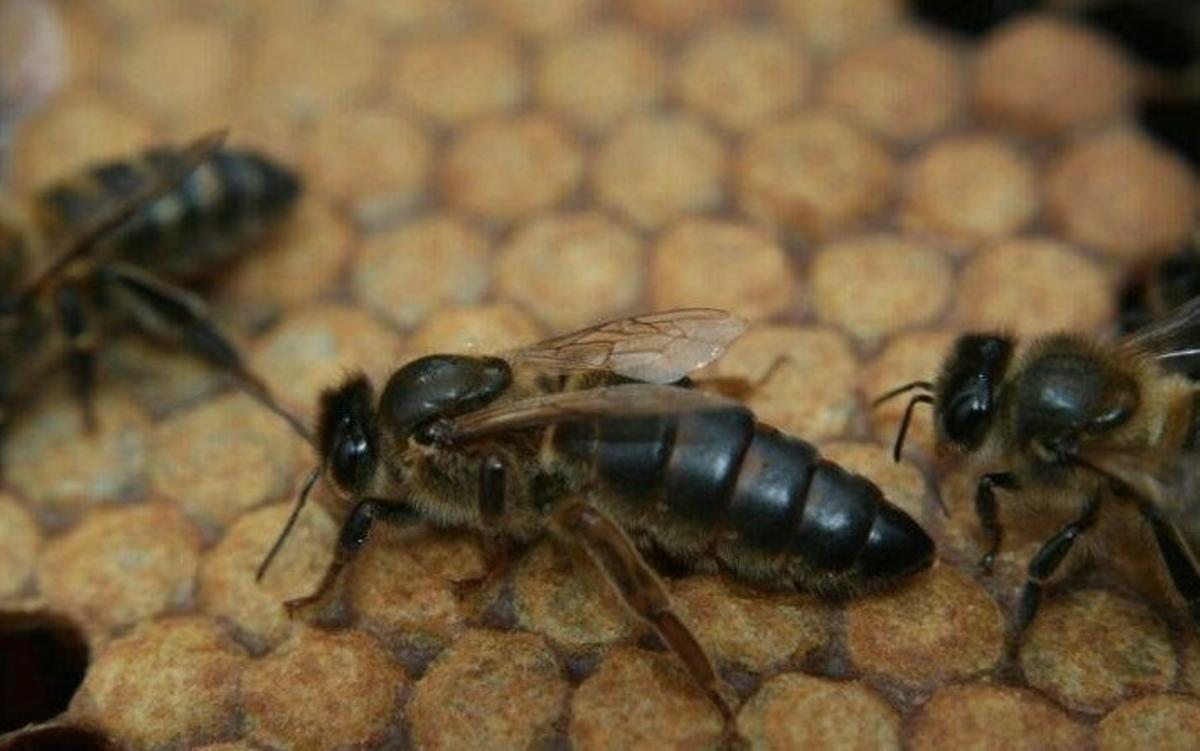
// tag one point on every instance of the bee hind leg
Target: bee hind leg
(742, 387)
(170, 312)
(607, 545)
(80, 332)
(1043, 565)
(1180, 564)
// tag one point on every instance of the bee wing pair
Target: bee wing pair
(655, 349)
(1173, 340)
(1172, 485)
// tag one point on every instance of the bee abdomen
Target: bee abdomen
(226, 201)
(766, 495)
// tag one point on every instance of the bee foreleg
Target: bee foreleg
(985, 509)
(81, 341)
(1046, 561)
(162, 308)
(351, 539)
(1180, 563)
(612, 551)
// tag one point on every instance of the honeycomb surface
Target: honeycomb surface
(481, 173)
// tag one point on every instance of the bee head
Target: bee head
(347, 435)
(965, 394)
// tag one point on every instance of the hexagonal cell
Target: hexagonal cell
(813, 175)
(799, 711)
(121, 566)
(488, 690)
(639, 699)
(1042, 75)
(905, 87)
(173, 681)
(315, 666)
(657, 168)
(940, 627)
(599, 75)
(755, 276)
(994, 717)
(1091, 649)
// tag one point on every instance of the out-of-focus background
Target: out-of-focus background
(859, 182)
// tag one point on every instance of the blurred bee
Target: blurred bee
(185, 233)
(598, 437)
(1092, 424)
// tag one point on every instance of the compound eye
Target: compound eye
(350, 462)
(967, 418)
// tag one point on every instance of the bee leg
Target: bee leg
(1180, 564)
(639, 588)
(492, 482)
(351, 539)
(741, 387)
(174, 313)
(1045, 562)
(985, 509)
(81, 357)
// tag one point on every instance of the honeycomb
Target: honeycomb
(481, 173)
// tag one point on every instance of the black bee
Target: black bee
(598, 438)
(218, 200)
(1093, 425)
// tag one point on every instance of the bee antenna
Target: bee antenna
(900, 435)
(309, 482)
(923, 385)
(258, 390)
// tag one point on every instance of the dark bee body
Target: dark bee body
(614, 455)
(111, 244)
(1092, 427)
(711, 489)
(717, 489)
(227, 201)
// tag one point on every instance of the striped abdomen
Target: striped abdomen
(719, 485)
(227, 201)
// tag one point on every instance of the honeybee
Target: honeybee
(1089, 423)
(599, 438)
(218, 200)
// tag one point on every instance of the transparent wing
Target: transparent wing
(1173, 339)
(624, 400)
(1172, 484)
(657, 347)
